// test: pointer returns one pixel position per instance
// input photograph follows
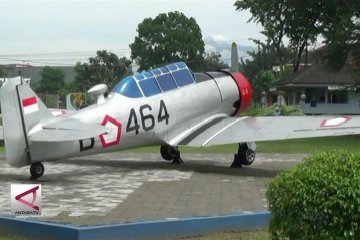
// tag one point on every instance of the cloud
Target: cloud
(222, 44)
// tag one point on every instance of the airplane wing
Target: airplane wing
(253, 129)
(67, 130)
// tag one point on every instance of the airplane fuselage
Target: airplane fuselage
(153, 120)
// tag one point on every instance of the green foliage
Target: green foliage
(11, 237)
(3, 72)
(296, 20)
(303, 21)
(259, 67)
(256, 111)
(293, 110)
(233, 235)
(318, 199)
(106, 68)
(266, 78)
(269, 111)
(167, 38)
(270, 14)
(213, 62)
(335, 56)
(52, 80)
(341, 30)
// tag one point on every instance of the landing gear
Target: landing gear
(37, 170)
(245, 156)
(171, 153)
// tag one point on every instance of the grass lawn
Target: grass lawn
(10, 237)
(246, 235)
(306, 145)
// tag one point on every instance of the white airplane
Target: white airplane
(168, 106)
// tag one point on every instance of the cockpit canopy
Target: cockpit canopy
(156, 81)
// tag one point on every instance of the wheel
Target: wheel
(168, 152)
(37, 170)
(246, 155)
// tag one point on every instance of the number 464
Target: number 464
(147, 119)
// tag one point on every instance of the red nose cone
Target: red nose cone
(245, 90)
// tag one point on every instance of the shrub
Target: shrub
(291, 110)
(269, 111)
(318, 199)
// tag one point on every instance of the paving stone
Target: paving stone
(122, 187)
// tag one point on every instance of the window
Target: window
(166, 82)
(181, 65)
(164, 70)
(128, 88)
(155, 81)
(148, 74)
(338, 96)
(172, 67)
(315, 95)
(149, 87)
(139, 76)
(183, 77)
(156, 71)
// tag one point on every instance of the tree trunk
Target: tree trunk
(298, 56)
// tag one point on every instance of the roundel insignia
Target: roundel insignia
(334, 122)
(114, 136)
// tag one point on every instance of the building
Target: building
(33, 72)
(320, 90)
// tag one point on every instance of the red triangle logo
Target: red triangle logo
(30, 204)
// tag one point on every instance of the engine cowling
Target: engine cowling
(235, 91)
(245, 91)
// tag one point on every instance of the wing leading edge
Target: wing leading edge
(254, 129)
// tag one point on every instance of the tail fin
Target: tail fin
(21, 110)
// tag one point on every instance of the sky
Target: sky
(65, 32)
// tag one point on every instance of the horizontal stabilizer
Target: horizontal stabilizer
(68, 130)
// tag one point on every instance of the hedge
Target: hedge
(318, 199)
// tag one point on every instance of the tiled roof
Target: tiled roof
(321, 75)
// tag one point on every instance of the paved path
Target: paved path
(126, 187)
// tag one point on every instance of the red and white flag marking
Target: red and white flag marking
(30, 105)
(335, 122)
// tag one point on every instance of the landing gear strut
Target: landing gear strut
(245, 156)
(171, 153)
(37, 170)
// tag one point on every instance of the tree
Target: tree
(341, 29)
(338, 21)
(52, 80)
(258, 68)
(106, 68)
(213, 62)
(167, 38)
(302, 26)
(294, 19)
(3, 72)
(270, 14)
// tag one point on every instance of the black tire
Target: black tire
(246, 155)
(168, 152)
(37, 170)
